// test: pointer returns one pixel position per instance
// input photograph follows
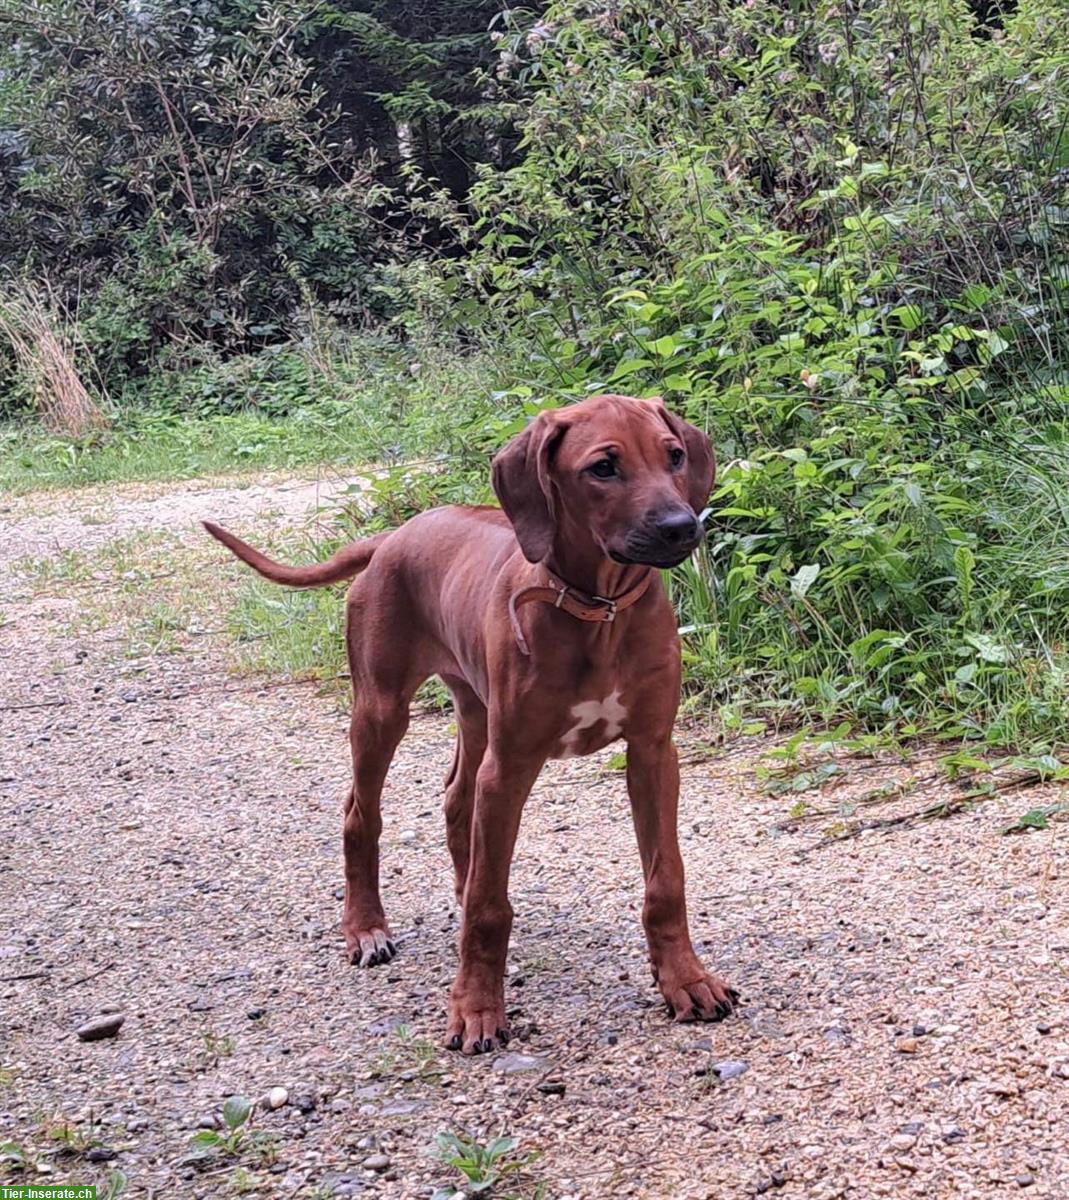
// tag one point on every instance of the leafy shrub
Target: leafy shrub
(834, 236)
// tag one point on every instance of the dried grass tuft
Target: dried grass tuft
(44, 351)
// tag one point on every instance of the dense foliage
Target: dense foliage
(218, 173)
(835, 233)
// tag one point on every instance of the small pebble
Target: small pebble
(407, 835)
(277, 1097)
(1025, 1180)
(304, 1099)
(377, 1162)
(908, 1045)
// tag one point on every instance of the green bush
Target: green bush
(836, 236)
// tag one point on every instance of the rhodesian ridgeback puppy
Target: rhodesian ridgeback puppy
(548, 622)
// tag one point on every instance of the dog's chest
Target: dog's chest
(588, 725)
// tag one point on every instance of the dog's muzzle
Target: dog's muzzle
(664, 541)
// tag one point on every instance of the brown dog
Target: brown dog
(549, 624)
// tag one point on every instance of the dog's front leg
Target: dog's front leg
(477, 1002)
(692, 993)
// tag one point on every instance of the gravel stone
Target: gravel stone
(730, 1070)
(512, 1063)
(107, 1025)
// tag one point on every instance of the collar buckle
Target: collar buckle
(610, 608)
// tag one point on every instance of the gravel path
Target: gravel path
(171, 850)
(47, 523)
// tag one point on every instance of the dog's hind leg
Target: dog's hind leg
(385, 679)
(460, 786)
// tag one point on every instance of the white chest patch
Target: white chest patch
(587, 714)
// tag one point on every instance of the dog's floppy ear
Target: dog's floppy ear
(520, 474)
(701, 460)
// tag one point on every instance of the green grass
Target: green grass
(146, 446)
(289, 633)
(372, 403)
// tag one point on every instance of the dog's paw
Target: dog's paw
(694, 994)
(476, 1027)
(369, 947)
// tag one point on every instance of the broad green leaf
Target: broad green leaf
(909, 316)
(664, 347)
(804, 578)
(679, 383)
(987, 648)
(628, 367)
(236, 1111)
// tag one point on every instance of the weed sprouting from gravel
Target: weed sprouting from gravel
(236, 1139)
(69, 1138)
(213, 1048)
(408, 1054)
(486, 1167)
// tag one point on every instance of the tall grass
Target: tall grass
(41, 341)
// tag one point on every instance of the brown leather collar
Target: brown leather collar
(574, 602)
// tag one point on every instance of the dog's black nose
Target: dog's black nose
(678, 528)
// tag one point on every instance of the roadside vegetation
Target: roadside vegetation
(835, 235)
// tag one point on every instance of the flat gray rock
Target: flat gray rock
(97, 1028)
(730, 1070)
(512, 1064)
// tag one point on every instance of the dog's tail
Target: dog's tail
(348, 561)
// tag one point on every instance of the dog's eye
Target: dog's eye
(676, 456)
(604, 468)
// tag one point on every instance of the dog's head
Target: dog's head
(628, 471)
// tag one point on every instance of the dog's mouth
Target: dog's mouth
(657, 557)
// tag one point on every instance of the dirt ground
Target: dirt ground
(170, 848)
